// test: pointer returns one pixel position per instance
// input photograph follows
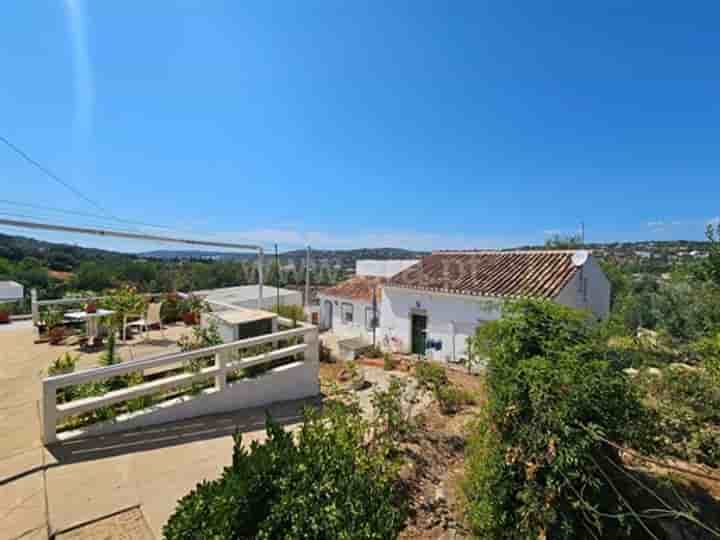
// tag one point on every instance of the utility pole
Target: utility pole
(260, 278)
(374, 317)
(277, 278)
(307, 278)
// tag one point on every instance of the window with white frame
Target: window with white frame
(347, 313)
(369, 318)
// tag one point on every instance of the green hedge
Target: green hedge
(327, 486)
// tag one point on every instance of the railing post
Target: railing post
(34, 308)
(312, 353)
(49, 412)
(221, 377)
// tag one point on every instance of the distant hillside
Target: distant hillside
(62, 257)
(337, 255)
(177, 254)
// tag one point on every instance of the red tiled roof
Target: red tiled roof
(357, 288)
(513, 274)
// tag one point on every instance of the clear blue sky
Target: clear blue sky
(411, 124)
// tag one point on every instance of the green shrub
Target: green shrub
(64, 363)
(687, 403)
(535, 458)
(389, 362)
(451, 398)
(372, 351)
(392, 421)
(430, 375)
(326, 486)
(293, 312)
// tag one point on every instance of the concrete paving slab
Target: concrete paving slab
(87, 490)
(22, 506)
(126, 525)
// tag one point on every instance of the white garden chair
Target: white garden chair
(151, 318)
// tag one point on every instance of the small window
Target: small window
(369, 318)
(347, 313)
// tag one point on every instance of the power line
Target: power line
(124, 234)
(83, 214)
(51, 174)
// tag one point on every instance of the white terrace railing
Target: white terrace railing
(305, 383)
(36, 304)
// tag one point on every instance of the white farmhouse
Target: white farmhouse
(348, 308)
(433, 306)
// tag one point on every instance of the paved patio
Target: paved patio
(48, 491)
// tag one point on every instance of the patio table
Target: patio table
(91, 319)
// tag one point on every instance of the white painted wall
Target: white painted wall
(10, 291)
(451, 319)
(596, 299)
(289, 382)
(382, 268)
(342, 329)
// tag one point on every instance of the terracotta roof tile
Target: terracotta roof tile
(513, 274)
(357, 288)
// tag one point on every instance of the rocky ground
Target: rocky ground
(434, 457)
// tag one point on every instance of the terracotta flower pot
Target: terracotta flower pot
(91, 308)
(4, 317)
(191, 319)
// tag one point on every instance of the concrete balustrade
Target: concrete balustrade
(295, 380)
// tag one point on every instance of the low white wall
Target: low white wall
(297, 380)
(450, 319)
(270, 300)
(10, 291)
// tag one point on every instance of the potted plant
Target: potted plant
(91, 307)
(171, 308)
(4, 313)
(54, 324)
(192, 307)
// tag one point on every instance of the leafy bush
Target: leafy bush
(536, 458)
(687, 403)
(64, 363)
(389, 362)
(392, 422)
(451, 398)
(430, 375)
(326, 486)
(293, 312)
(372, 351)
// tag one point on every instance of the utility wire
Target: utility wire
(83, 214)
(51, 174)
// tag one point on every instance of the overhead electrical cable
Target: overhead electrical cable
(50, 173)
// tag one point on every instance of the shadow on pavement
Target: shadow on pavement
(177, 433)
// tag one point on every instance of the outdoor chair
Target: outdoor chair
(151, 318)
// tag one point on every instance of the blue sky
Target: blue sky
(356, 124)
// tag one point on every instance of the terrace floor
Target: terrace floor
(48, 491)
